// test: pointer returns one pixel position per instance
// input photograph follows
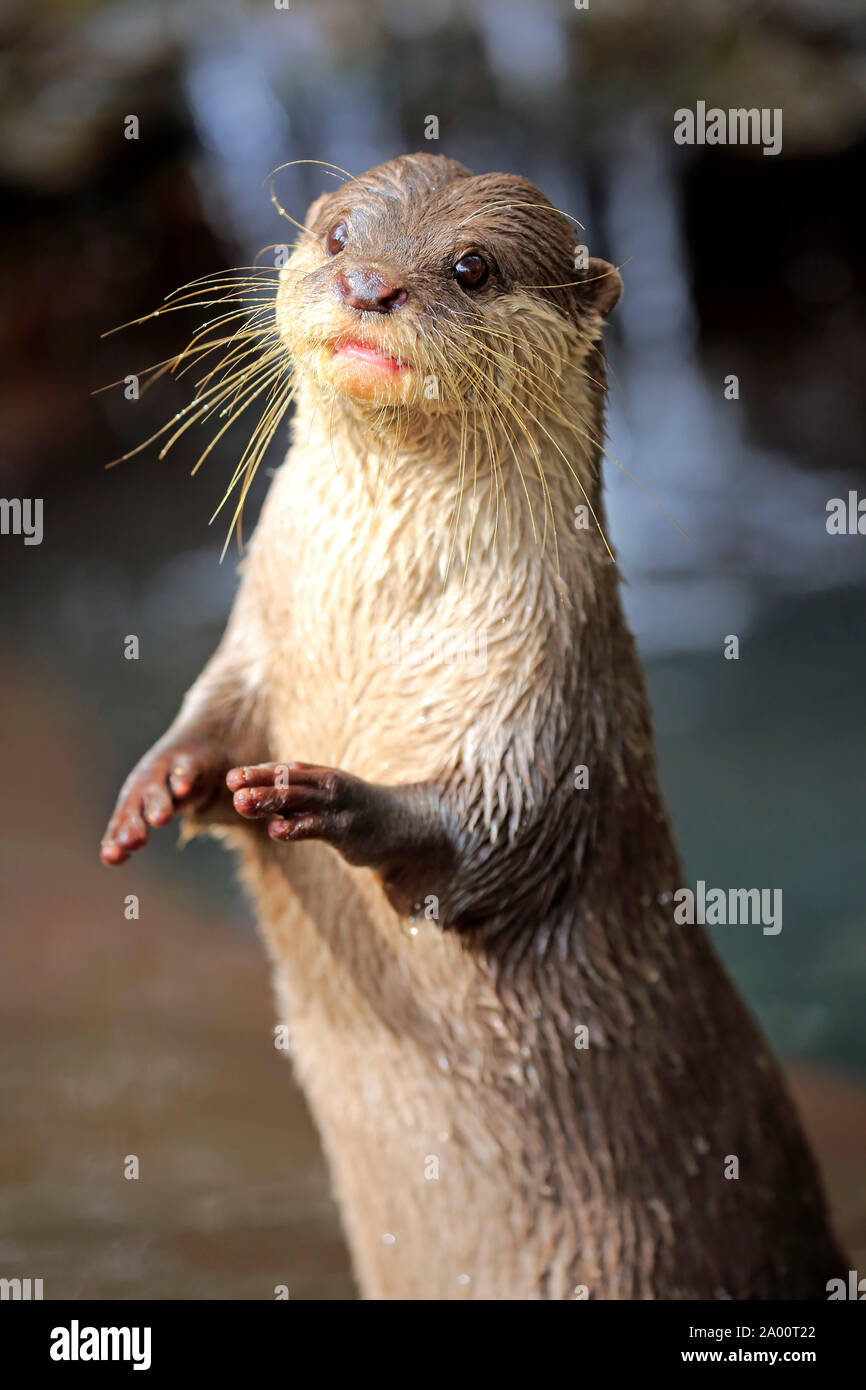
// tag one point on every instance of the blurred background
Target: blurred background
(153, 1036)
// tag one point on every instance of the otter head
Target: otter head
(420, 287)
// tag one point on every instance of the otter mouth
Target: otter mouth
(356, 350)
(358, 368)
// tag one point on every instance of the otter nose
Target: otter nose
(361, 287)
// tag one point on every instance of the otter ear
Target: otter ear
(601, 287)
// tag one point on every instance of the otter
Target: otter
(426, 735)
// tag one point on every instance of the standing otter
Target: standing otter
(465, 910)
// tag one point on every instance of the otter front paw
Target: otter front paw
(165, 782)
(301, 801)
(396, 831)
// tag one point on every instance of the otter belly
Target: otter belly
(472, 1159)
(394, 1042)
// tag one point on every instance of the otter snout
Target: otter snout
(367, 290)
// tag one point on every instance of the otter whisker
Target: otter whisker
(275, 408)
(272, 246)
(555, 356)
(598, 442)
(587, 279)
(259, 385)
(574, 474)
(282, 211)
(166, 309)
(543, 395)
(242, 371)
(488, 388)
(202, 404)
(474, 505)
(516, 203)
(477, 382)
(325, 164)
(461, 463)
(506, 403)
(230, 276)
(278, 400)
(156, 369)
(197, 349)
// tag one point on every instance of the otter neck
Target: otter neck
(518, 489)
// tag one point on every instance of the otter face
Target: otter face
(423, 286)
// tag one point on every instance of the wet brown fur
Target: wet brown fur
(449, 1044)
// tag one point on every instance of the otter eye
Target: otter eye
(471, 271)
(337, 237)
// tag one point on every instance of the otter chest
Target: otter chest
(384, 659)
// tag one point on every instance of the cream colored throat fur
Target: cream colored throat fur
(422, 624)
